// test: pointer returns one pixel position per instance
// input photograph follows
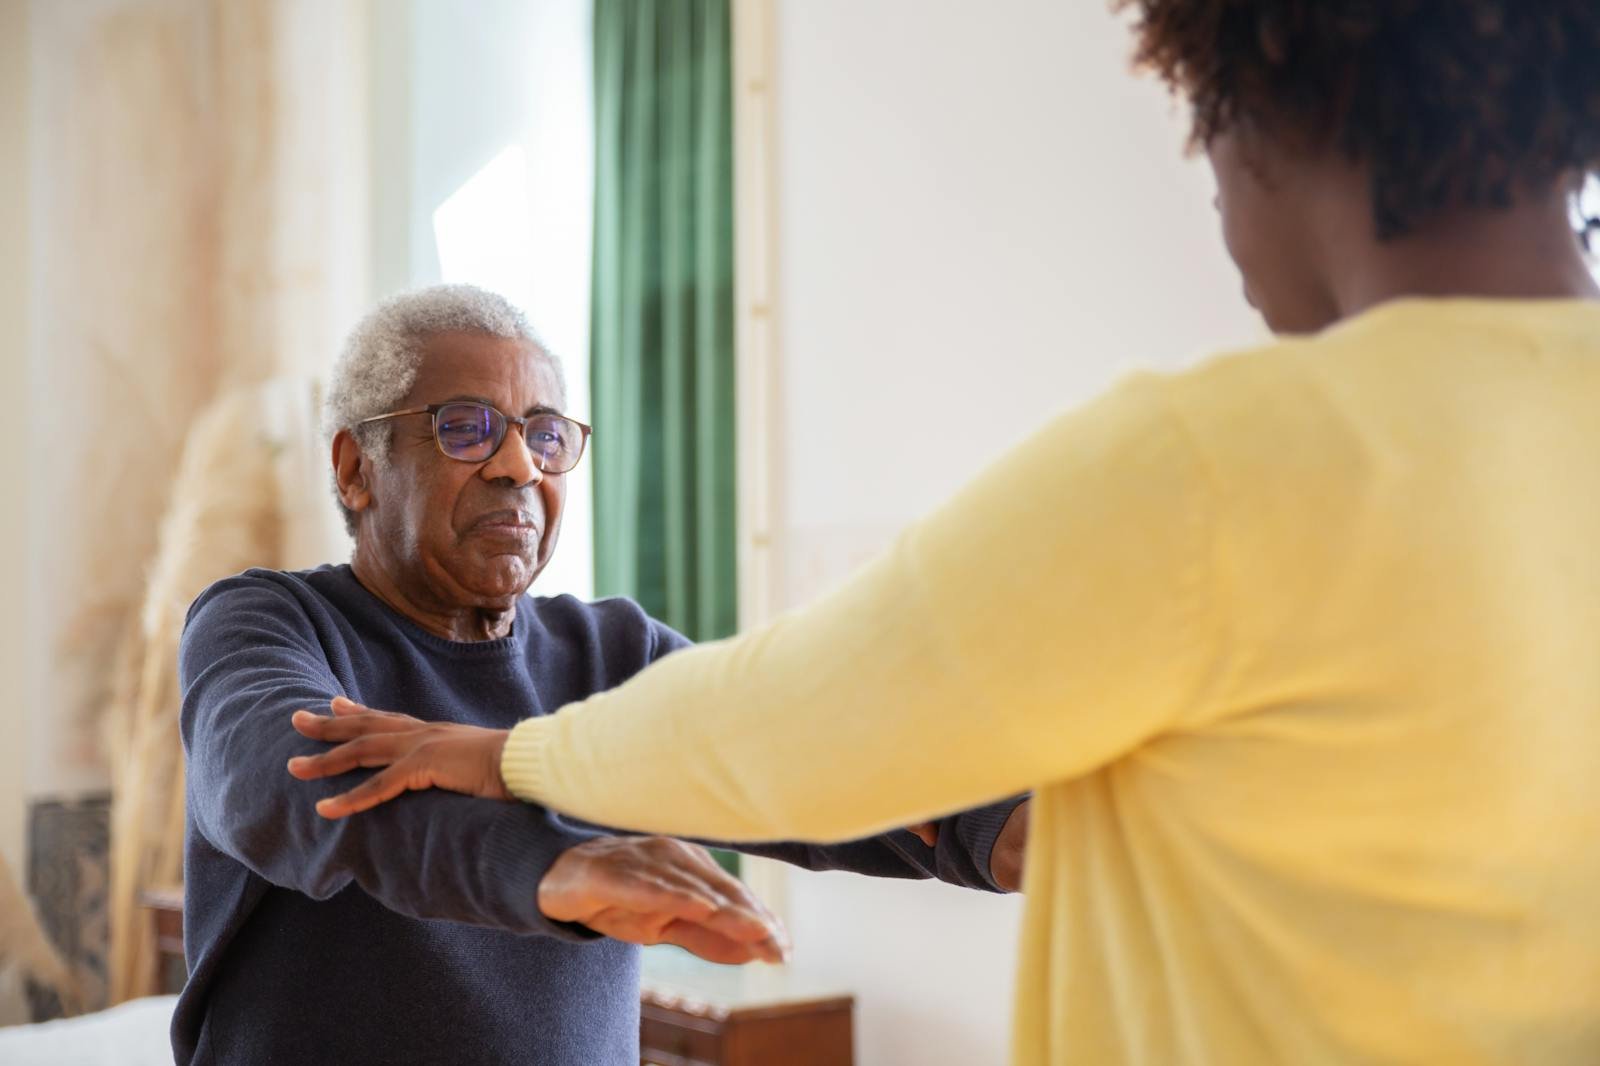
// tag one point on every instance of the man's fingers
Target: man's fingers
(635, 928)
(636, 893)
(711, 946)
(633, 888)
(652, 928)
(662, 897)
(743, 925)
(730, 888)
(739, 915)
(927, 832)
(379, 788)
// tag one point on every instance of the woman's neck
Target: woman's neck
(1525, 252)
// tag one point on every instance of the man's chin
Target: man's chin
(499, 569)
(499, 579)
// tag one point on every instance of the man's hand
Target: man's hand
(417, 754)
(655, 890)
(1010, 848)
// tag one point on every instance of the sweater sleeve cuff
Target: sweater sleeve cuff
(522, 761)
(978, 830)
(514, 863)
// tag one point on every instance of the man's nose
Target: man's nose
(515, 461)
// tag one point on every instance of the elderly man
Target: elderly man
(441, 928)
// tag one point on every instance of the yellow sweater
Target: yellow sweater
(1301, 652)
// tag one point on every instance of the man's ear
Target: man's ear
(351, 472)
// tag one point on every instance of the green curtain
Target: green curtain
(662, 358)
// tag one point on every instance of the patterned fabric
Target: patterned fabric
(68, 875)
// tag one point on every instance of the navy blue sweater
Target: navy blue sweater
(410, 933)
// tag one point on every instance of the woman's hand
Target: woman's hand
(417, 754)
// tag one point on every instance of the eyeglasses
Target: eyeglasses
(472, 432)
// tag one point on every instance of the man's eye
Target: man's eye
(459, 430)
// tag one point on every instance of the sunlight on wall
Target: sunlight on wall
(499, 149)
(480, 230)
(485, 236)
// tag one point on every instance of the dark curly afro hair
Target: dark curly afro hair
(1451, 103)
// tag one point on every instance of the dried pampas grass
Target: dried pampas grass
(248, 491)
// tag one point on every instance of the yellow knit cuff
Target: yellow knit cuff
(522, 761)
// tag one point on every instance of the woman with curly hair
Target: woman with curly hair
(1299, 651)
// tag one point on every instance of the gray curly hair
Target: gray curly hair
(380, 359)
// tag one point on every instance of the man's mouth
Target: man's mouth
(509, 523)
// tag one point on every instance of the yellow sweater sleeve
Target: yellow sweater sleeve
(1051, 617)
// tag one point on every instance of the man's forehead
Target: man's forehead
(483, 365)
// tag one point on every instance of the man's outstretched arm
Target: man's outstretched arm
(981, 848)
(250, 659)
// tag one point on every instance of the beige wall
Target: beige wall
(16, 707)
(193, 233)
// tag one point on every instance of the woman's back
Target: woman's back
(1370, 835)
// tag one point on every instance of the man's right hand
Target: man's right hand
(656, 890)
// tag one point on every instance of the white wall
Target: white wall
(451, 96)
(17, 707)
(980, 211)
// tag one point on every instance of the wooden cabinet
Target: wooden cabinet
(166, 910)
(797, 1032)
(693, 1013)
